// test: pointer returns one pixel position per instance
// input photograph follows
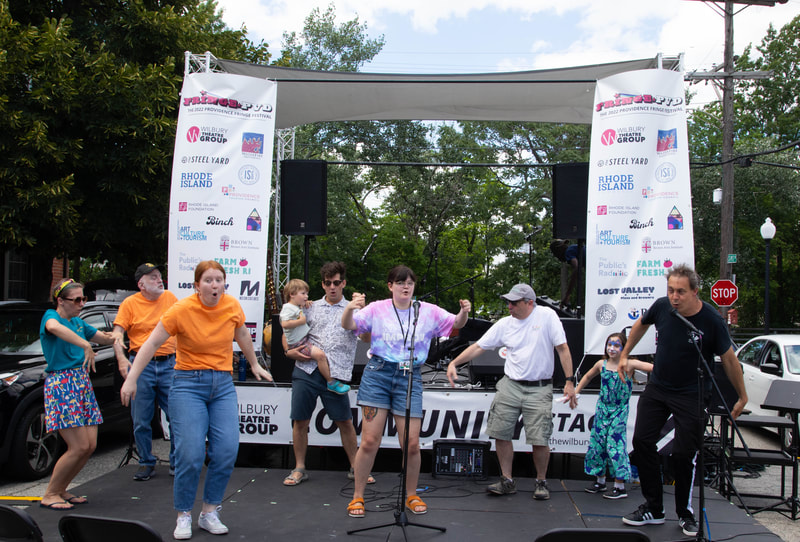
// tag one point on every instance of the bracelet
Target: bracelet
(570, 379)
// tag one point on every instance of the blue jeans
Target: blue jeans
(153, 385)
(203, 405)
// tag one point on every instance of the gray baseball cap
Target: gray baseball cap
(520, 291)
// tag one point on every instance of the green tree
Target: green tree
(88, 95)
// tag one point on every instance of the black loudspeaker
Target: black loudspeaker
(281, 367)
(304, 197)
(570, 200)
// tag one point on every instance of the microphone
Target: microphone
(364, 257)
(416, 310)
(684, 321)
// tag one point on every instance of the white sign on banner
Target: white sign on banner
(264, 419)
(221, 184)
(639, 221)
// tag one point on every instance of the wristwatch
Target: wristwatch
(571, 379)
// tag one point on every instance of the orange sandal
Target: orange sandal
(413, 502)
(356, 505)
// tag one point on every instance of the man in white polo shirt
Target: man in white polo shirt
(529, 334)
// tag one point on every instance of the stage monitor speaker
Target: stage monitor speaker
(460, 458)
(281, 367)
(304, 197)
(570, 200)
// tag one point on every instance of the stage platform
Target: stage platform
(258, 507)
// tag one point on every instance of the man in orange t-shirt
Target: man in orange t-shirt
(138, 316)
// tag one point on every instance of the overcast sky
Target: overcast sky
(472, 36)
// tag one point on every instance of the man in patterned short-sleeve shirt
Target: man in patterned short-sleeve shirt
(325, 320)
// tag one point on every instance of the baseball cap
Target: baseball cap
(145, 269)
(520, 291)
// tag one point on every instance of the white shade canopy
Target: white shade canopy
(562, 95)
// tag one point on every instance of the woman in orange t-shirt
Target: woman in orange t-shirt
(202, 399)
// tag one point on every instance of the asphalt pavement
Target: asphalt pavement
(112, 447)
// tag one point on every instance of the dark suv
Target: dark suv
(28, 451)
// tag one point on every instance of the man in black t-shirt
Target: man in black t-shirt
(672, 390)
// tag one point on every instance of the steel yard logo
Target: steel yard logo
(205, 159)
(649, 193)
(186, 233)
(197, 179)
(621, 160)
(609, 238)
(626, 100)
(675, 219)
(254, 221)
(614, 182)
(252, 145)
(248, 174)
(652, 268)
(206, 134)
(612, 268)
(226, 103)
(667, 142)
(231, 193)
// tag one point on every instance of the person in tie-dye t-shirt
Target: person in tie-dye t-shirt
(394, 325)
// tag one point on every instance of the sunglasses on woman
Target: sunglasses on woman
(76, 300)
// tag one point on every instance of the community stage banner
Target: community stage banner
(264, 418)
(639, 221)
(221, 183)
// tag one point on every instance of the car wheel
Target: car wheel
(34, 450)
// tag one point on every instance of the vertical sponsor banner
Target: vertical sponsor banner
(221, 183)
(639, 221)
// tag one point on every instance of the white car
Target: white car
(766, 358)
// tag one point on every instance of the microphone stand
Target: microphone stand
(702, 370)
(400, 513)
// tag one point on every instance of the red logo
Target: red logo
(608, 137)
(193, 134)
(183, 206)
(602, 210)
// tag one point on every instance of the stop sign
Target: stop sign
(724, 293)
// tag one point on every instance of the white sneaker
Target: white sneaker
(183, 528)
(211, 523)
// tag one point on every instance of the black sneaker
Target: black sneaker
(644, 516)
(503, 487)
(144, 473)
(616, 493)
(596, 488)
(688, 525)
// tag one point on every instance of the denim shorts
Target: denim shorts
(384, 385)
(69, 400)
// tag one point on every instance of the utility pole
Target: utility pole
(728, 76)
